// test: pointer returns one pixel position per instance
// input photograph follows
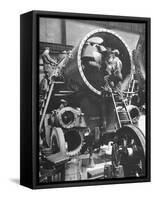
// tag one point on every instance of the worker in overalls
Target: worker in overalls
(113, 69)
(49, 65)
(48, 62)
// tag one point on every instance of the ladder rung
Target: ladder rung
(66, 91)
(125, 120)
(58, 82)
(118, 102)
(122, 111)
(56, 95)
(129, 92)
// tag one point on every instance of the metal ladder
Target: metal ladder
(131, 88)
(120, 102)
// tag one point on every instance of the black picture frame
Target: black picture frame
(29, 89)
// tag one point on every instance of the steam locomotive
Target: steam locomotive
(79, 115)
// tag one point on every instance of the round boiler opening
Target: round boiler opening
(93, 52)
(73, 140)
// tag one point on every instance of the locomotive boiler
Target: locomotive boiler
(80, 74)
(84, 70)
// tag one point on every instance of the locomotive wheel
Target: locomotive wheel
(74, 141)
(129, 151)
(68, 142)
(57, 141)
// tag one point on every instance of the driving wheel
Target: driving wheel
(129, 151)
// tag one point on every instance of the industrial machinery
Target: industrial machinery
(92, 111)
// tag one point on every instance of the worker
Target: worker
(48, 62)
(113, 75)
(112, 67)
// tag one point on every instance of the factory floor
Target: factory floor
(83, 167)
(96, 166)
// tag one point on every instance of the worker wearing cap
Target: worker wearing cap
(113, 67)
(48, 62)
(112, 77)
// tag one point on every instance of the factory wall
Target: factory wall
(76, 31)
(51, 30)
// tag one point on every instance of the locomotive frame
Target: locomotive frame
(29, 157)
